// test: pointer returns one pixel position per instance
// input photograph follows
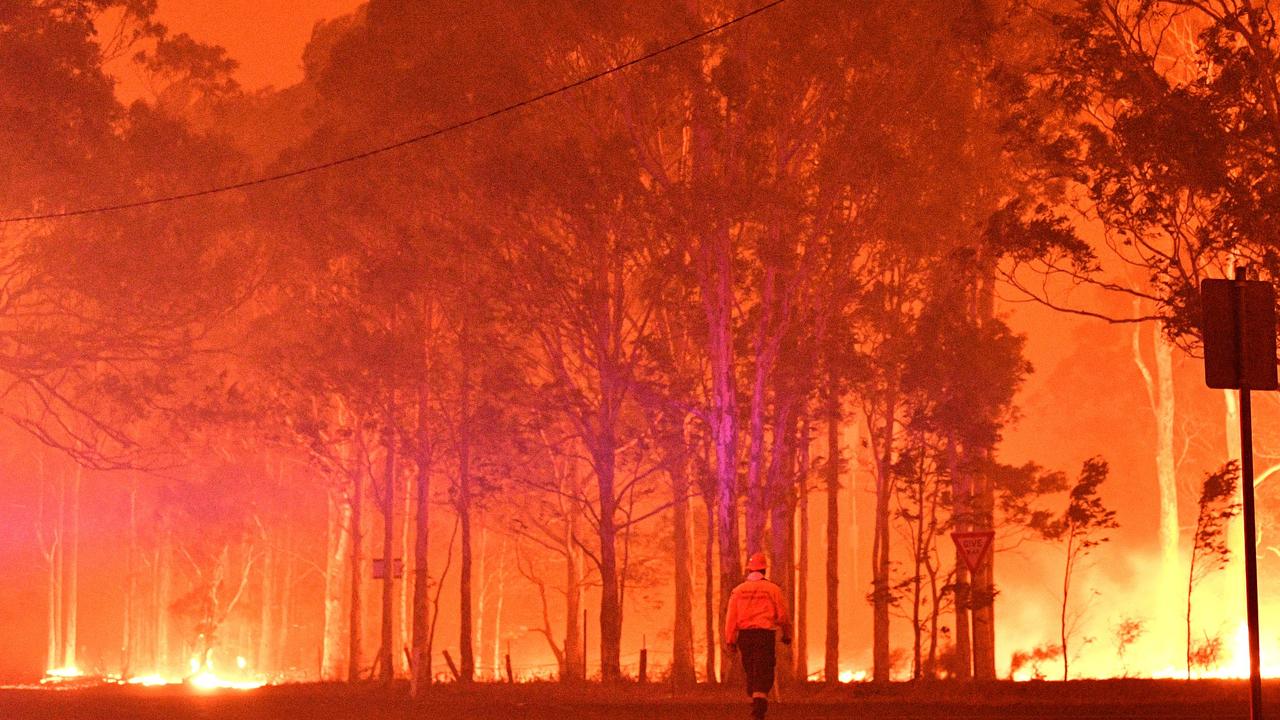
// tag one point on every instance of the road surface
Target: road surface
(1084, 700)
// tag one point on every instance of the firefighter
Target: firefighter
(757, 614)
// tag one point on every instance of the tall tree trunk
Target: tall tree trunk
(1160, 393)
(573, 649)
(334, 573)
(718, 305)
(831, 658)
(756, 510)
(482, 594)
(610, 599)
(1166, 468)
(935, 593)
(984, 590)
(1233, 592)
(355, 651)
(881, 590)
(266, 641)
(802, 562)
(961, 494)
(1062, 611)
(682, 663)
(130, 630)
(164, 596)
(72, 570)
(53, 651)
(143, 653)
(1231, 416)
(497, 610)
(53, 555)
(917, 576)
(1191, 586)
(421, 541)
(404, 640)
(466, 634)
(284, 595)
(386, 659)
(983, 594)
(782, 505)
(715, 270)
(711, 627)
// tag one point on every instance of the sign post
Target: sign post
(1239, 332)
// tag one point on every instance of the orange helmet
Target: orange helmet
(756, 562)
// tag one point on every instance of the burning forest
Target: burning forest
(443, 346)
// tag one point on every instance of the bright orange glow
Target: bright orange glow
(54, 675)
(207, 679)
(210, 681)
(148, 681)
(852, 676)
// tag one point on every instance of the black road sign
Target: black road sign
(1239, 331)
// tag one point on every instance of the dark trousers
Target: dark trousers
(758, 659)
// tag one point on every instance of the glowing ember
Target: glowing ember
(848, 676)
(147, 680)
(209, 681)
(54, 675)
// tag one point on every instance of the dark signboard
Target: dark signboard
(1239, 332)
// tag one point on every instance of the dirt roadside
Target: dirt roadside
(1082, 700)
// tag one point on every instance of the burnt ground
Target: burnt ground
(1077, 700)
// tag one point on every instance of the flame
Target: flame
(1233, 663)
(207, 680)
(147, 680)
(849, 675)
(1236, 664)
(53, 675)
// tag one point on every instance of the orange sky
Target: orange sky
(266, 36)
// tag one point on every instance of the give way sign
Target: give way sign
(973, 546)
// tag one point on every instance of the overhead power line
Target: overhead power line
(423, 137)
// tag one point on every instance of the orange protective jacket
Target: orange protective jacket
(756, 604)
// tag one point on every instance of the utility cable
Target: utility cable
(431, 134)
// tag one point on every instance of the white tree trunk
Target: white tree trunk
(130, 631)
(497, 611)
(482, 595)
(266, 643)
(1159, 386)
(406, 587)
(853, 591)
(53, 555)
(164, 598)
(1233, 589)
(335, 572)
(72, 573)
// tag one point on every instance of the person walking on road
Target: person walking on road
(757, 614)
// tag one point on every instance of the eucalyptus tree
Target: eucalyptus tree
(1082, 527)
(1161, 117)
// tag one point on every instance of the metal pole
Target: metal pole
(1250, 556)
(1250, 530)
